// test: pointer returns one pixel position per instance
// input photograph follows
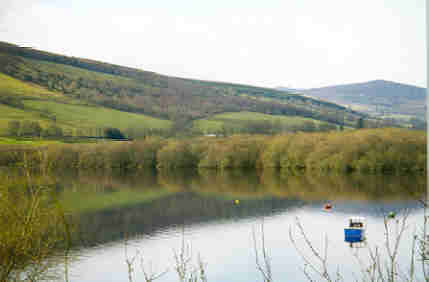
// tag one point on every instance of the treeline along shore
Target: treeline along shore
(385, 150)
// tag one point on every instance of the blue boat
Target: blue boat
(355, 232)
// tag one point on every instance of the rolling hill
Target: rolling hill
(29, 102)
(378, 97)
(75, 92)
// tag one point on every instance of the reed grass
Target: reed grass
(368, 151)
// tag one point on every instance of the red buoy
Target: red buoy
(327, 207)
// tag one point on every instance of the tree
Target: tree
(327, 127)
(14, 127)
(33, 227)
(418, 124)
(308, 126)
(113, 133)
(31, 128)
(11, 101)
(258, 127)
(360, 123)
(53, 131)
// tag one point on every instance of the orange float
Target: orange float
(327, 207)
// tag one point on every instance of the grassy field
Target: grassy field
(15, 87)
(239, 119)
(12, 87)
(251, 116)
(11, 141)
(11, 113)
(93, 117)
(78, 116)
(69, 114)
(208, 125)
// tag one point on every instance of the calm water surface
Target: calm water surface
(156, 213)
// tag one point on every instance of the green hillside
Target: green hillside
(244, 121)
(21, 101)
(183, 101)
(10, 113)
(13, 87)
(97, 117)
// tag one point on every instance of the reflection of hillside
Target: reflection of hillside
(182, 208)
(231, 184)
(206, 196)
(90, 193)
(343, 187)
(108, 207)
(105, 207)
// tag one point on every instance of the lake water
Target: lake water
(150, 216)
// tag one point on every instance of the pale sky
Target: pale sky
(294, 43)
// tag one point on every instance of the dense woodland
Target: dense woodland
(132, 90)
(365, 150)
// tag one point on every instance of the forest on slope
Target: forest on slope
(91, 83)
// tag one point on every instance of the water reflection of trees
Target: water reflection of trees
(184, 208)
(275, 183)
(341, 186)
(208, 196)
(107, 206)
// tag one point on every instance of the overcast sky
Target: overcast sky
(301, 43)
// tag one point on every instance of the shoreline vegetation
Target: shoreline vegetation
(384, 151)
(34, 229)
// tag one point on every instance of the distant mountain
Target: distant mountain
(288, 89)
(377, 97)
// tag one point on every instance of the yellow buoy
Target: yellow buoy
(236, 202)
